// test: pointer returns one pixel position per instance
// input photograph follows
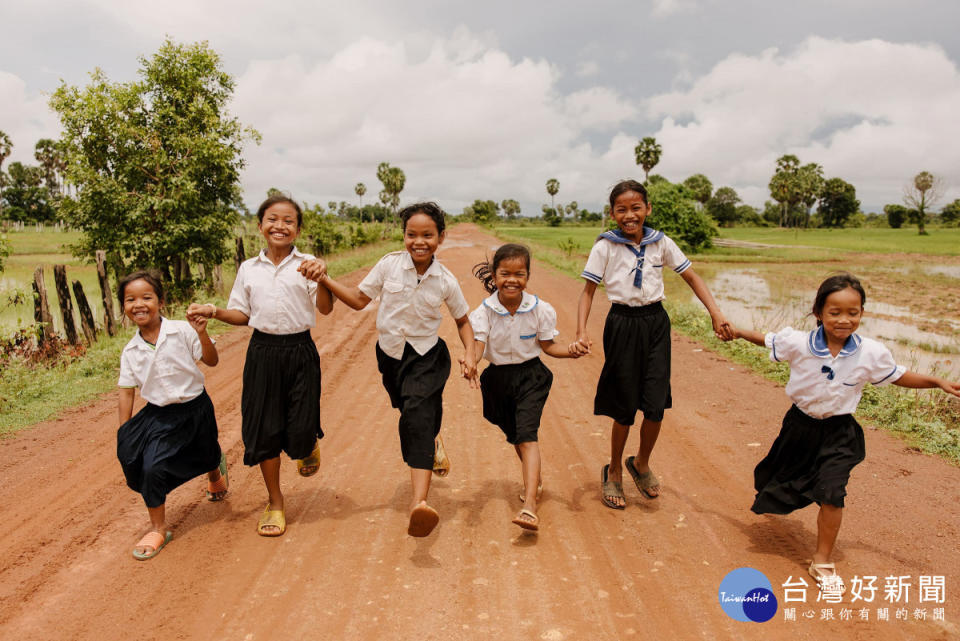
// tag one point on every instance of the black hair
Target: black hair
(485, 271)
(836, 283)
(152, 277)
(279, 198)
(429, 209)
(623, 187)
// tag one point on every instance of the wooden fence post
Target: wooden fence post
(241, 254)
(41, 308)
(108, 318)
(86, 315)
(218, 279)
(66, 305)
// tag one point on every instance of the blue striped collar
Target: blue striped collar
(650, 235)
(527, 304)
(817, 342)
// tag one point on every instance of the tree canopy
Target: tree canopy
(838, 202)
(156, 162)
(647, 154)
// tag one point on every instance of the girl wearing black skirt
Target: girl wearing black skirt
(413, 360)
(631, 261)
(820, 442)
(511, 328)
(174, 438)
(276, 293)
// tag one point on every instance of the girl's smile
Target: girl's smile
(279, 225)
(421, 239)
(141, 304)
(630, 210)
(510, 279)
(840, 316)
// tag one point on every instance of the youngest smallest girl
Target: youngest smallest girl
(174, 437)
(511, 328)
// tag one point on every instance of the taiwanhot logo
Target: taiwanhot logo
(747, 595)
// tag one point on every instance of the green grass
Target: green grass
(926, 419)
(29, 395)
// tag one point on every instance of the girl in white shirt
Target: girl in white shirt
(413, 361)
(276, 293)
(174, 437)
(820, 442)
(511, 328)
(630, 261)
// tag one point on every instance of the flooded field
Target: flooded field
(918, 320)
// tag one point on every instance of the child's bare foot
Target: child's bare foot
(423, 519)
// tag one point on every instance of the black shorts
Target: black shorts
(415, 384)
(280, 404)
(636, 367)
(162, 447)
(513, 398)
(809, 462)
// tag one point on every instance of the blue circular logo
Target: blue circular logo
(747, 595)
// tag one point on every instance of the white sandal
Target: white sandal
(827, 577)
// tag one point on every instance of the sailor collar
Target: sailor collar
(650, 235)
(817, 343)
(527, 304)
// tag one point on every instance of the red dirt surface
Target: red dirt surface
(346, 569)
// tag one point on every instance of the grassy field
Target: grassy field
(927, 419)
(32, 394)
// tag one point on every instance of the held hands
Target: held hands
(200, 310)
(198, 323)
(722, 327)
(580, 347)
(949, 388)
(469, 372)
(314, 270)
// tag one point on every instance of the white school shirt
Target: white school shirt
(513, 338)
(616, 264)
(167, 372)
(823, 385)
(410, 311)
(277, 298)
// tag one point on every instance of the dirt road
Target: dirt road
(346, 569)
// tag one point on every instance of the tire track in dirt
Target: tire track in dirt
(345, 569)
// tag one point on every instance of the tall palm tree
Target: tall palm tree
(647, 154)
(553, 186)
(360, 189)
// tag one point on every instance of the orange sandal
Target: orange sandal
(153, 540)
(217, 490)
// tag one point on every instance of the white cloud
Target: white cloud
(663, 8)
(25, 117)
(464, 121)
(872, 112)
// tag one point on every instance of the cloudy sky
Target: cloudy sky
(490, 99)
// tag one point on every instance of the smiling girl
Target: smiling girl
(276, 293)
(413, 360)
(511, 328)
(174, 437)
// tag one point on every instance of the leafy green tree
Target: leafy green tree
(810, 183)
(553, 186)
(922, 195)
(793, 185)
(701, 188)
(551, 216)
(360, 189)
(484, 212)
(393, 180)
(838, 202)
(722, 206)
(156, 162)
(511, 208)
(950, 214)
(572, 209)
(647, 154)
(896, 215)
(49, 153)
(26, 198)
(675, 214)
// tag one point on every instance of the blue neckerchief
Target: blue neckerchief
(650, 235)
(829, 372)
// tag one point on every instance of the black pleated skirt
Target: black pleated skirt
(280, 404)
(809, 462)
(636, 366)
(161, 448)
(415, 384)
(514, 396)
